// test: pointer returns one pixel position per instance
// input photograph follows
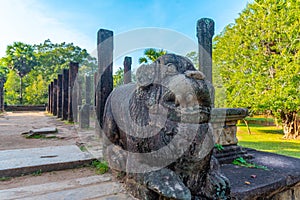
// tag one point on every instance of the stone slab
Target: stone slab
(283, 173)
(26, 161)
(92, 187)
(45, 130)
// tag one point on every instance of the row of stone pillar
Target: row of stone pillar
(60, 93)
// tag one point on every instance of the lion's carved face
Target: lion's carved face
(183, 95)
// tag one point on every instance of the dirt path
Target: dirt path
(12, 124)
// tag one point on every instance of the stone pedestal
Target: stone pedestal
(224, 122)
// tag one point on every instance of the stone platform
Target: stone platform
(280, 182)
(25, 161)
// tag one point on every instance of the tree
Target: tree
(258, 58)
(11, 88)
(53, 58)
(151, 55)
(118, 77)
(20, 57)
(36, 92)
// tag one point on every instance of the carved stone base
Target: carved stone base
(229, 153)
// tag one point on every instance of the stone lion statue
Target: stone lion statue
(157, 132)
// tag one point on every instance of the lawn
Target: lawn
(267, 138)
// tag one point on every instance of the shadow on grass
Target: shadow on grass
(284, 148)
(279, 131)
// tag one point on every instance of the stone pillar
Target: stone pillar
(127, 69)
(51, 98)
(95, 87)
(88, 89)
(76, 99)
(84, 114)
(59, 95)
(49, 102)
(105, 63)
(65, 93)
(205, 32)
(72, 76)
(54, 97)
(1, 96)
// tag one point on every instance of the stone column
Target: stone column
(205, 32)
(84, 114)
(95, 87)
(105, 63)
(72, 76)
(59, 95)
(1, 96)
(76, 99)
(49, 102)
(127, 69)
(51, 98)
(54, 97)
(88, 89)
(65, 93)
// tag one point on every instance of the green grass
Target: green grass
(5, 178)
(269, 139)
(101, 166)
(259, 119)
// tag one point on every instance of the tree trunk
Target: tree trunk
(290, 124)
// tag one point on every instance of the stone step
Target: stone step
(93, 187)
(25, 161)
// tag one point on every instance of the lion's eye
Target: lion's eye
(189, 98)
(171, 68)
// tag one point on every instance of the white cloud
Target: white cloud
(28, 21)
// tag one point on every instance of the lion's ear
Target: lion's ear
(145, 75)
(195, 74)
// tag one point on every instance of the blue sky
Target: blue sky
(77, 21)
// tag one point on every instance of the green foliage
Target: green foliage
(3, 71)
(52, 58)
(20, 57)
(37, 173)
(258, 58)
(151, 55)
(36, 92)
(242, 162)
(11, 87)
(219, 147)
(5, 178)
(38, 65)
(118, 77)
(101, 166)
